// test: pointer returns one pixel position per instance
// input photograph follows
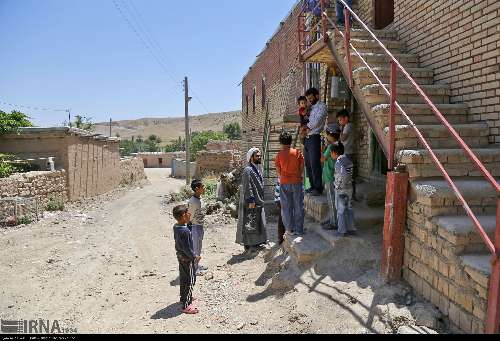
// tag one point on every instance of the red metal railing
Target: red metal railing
(312, 32)
(493, 319)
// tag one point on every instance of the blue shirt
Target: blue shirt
(317, 118)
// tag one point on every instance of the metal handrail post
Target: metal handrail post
(392, 116)
(347, 43)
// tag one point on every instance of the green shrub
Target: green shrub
(184, 194)
(55, 205)
(25, 220)
(6, 169)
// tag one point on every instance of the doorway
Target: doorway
(383, 13)
(379, 160)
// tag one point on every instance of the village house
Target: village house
(451, 50)
(91, 162)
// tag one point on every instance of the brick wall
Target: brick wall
(365, 11)
(460, 40)
(279, 65)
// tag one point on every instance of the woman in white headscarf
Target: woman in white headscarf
(251, 232)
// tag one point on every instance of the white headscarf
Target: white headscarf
(251, 153)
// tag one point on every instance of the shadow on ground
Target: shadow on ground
(172, 311)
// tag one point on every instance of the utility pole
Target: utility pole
(69, 117)
(186, 109)
(110, 122)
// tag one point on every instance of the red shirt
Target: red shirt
(290, 163)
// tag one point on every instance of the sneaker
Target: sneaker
(190, 310)
(289, 233)
(352, 233)
(202, 268)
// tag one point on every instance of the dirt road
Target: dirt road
(112, 268)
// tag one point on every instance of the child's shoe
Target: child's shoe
(190, 310)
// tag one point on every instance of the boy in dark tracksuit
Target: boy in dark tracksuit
(186, 257)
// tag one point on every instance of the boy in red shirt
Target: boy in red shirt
(290, 168)
(303, 115)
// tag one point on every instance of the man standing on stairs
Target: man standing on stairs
(340, 12)
(251, 231)
(312, 145)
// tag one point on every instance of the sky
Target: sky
(87, 56)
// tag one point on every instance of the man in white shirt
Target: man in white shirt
(312, 145)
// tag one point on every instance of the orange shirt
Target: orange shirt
(289, 163)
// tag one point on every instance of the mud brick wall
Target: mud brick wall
(223, 145)
(459, 40)
(217, 162)
(132, 171)
(39, 186)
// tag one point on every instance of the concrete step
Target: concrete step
(478, 267)
(371, 46)
(423, 114)
(364, 77)
(317, 209)
(407, 94)
(383, 60)
(438, 136)
(307, 249)
(462, 234)
(434, 197)
(419, 162)
(380, 34)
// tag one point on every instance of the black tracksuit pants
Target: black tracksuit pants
(187, 277)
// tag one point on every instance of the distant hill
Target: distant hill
(168, 128)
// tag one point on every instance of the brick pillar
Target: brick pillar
(394, 225)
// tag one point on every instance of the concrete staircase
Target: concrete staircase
(445, 259)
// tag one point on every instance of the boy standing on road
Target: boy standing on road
(290, 168)
(198, 221)
(186, 258)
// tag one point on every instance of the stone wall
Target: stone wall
(459, 40)
(132, 171)
(30, 193)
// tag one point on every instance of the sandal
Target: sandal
(190, 310)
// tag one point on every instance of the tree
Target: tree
(200, 139)
(83, 122)
(11, 122)
(233, 131)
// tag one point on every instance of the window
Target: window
(254, 99)
(313, 75)
(246, 105)
(264, 95)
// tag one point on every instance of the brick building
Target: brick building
(451, 49)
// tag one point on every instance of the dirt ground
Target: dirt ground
(109, 266)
